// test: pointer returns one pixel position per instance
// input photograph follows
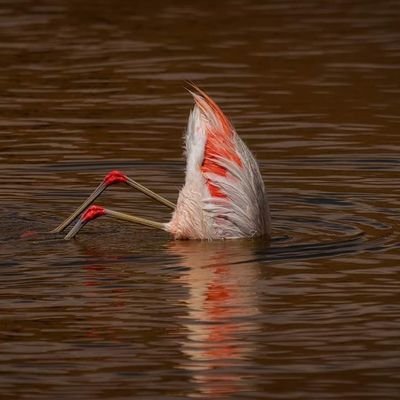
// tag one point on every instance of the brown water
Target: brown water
(124, 312)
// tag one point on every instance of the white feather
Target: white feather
(242, 213)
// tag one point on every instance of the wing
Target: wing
(224, 195)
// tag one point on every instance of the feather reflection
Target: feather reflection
(222, 314)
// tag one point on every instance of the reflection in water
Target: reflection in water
(222, 311)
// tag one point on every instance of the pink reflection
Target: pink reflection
(222, 314)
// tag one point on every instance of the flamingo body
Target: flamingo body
(224, 195)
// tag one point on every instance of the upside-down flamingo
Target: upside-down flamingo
(223, 196)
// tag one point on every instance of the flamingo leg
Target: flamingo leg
(97, 211)
(110, 179)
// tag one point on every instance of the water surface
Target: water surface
(123, 311)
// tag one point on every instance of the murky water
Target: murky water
(124, 312)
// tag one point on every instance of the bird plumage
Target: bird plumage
(224, 195)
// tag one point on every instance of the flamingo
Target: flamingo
(223, 196)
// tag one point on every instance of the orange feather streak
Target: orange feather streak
(219, 143)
